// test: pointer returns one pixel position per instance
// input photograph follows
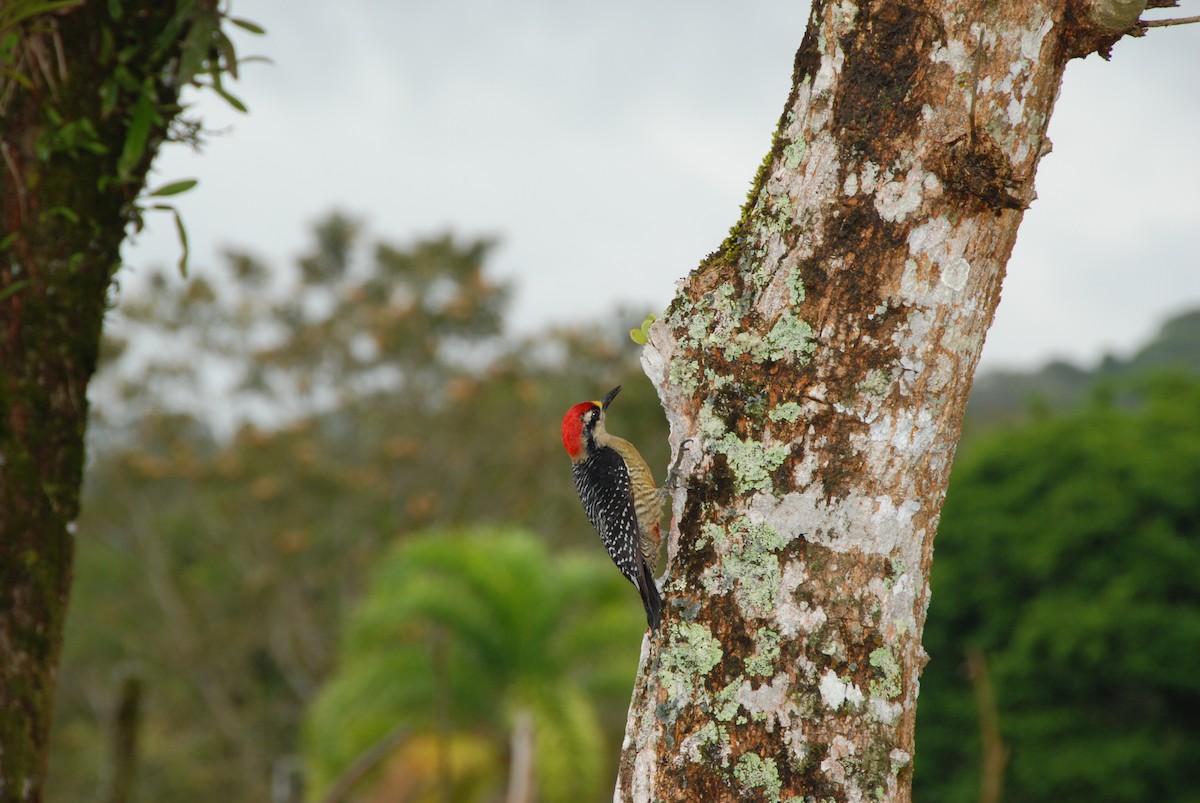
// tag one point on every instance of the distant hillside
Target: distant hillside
(1006, 395)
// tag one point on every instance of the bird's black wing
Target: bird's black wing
(607, 495)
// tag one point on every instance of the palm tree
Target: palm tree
(483, 639)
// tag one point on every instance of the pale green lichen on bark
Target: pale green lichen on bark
(788, 411)
(762, 662)
(716, 319)
(755, 772)
(714, 533)
(876, 384)
(750, 462)
(795, 283)
(876, 768)
(747, 565)
(685, 374)
(794, 153)
(754, 570)
(789, 338)
(725, 704)
(785, 213)
(711, 735)
(700, 325)
(690, 653)
(889, 685)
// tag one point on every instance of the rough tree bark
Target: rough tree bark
(87, 92)
(819, 363)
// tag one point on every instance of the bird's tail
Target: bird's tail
(651, 599)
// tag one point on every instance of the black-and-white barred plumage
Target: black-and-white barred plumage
(605, 490)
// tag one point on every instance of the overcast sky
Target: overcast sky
(610, 146)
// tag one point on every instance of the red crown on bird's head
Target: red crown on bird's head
(572, 425)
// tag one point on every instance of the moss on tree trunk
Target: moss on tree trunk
(89, 93)
(819, 362)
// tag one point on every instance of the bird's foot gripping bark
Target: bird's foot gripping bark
(672, 480)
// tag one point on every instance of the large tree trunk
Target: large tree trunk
(86, 95)
(820, 362)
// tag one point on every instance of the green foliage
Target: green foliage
(459, 632)
(1069, 554)
(174, 188)
(640, 334)
(15, 12)
(206, 55)
(385, 401)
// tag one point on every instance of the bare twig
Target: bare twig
(45, 64)
(1167, 23)
(59, 55)
(18, 179)
(976, 58)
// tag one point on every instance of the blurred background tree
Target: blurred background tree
(300, 474)
(462, 637)
(261, 436)
(1068, 556)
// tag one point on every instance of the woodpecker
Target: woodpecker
(618, 494)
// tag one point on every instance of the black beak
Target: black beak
(608, 397)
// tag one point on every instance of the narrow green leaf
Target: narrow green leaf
(108, 97)
(174, 188)
(228, 54)
(247, 25)
(139, 134)
(191, 60)
(169, 35)
(20, 77)
(183, 243)
(130, 54)
(124, 78)
(13, 16)
(14, 288)
(107, 45)
(65, 212)
(230, 99)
